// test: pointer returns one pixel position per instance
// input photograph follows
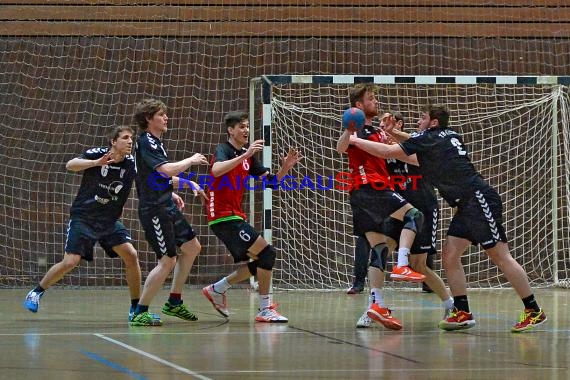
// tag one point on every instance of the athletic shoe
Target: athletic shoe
(364, 321)
(218, 300)
(180, 311)
(270, 315)
(32, 301)
(405, 273)
(457, 320)
(145, 319)
(355, 289)
(529, 319)
(383, 315)
(132, 314)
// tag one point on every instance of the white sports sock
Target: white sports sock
(403, 257)
(377, 296)
(448, 304)
(370, 300)
(222, 286)
(264, 301)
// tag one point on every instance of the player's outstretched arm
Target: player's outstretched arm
(172, 169)
(398, 135)
(383, 150)
(222, 167)
(290, 160)
(78, 164)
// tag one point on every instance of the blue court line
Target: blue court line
(115, 366)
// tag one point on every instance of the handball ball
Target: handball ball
(353, 118)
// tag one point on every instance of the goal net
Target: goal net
(515, 129)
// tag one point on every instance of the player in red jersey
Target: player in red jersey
(373, 201)
(232, 163)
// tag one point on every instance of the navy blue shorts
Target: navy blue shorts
(82, 236)
(165, 229)
(238, 236)
(480, 219)
(370, 207)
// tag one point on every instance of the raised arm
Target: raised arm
(290, 160)
(222, 167)
(172, 169)
(384, 150)
(343, 141)
(398, 135)
(78, 164)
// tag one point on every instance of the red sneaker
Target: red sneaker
(383, 315)
(529, 319)
(457, 320)
(405, 273)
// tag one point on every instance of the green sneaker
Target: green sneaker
(145, 319)
(179, 311)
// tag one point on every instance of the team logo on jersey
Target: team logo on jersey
(115, 187)
(97, 150)
(151, 141)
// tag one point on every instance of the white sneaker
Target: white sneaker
(270, 315)
(218, 300)
(364, 321)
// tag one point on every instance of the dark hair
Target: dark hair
(438, 112)
(357, 92)
(145, 110)
(114, 135)
(235, 117)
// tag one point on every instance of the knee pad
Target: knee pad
(413, 220)
(252, 266)
(378, 256)
(266, 258)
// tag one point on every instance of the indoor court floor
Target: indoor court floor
(84, 334)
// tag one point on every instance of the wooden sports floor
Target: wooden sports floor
(84, 334)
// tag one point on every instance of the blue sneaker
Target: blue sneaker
(32, 301)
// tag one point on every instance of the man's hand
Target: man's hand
(291, 159)
(198, 191)
(106, 159)
(254, 147)
(178, 201)
(353, 139)
(198, 159)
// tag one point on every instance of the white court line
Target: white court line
(153, 357)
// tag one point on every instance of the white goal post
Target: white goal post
(515, 127)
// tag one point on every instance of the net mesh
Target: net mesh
(508, 132)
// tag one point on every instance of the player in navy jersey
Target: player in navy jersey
(108, 175)
(444, 162)
(232, 163)
(422, 195)
(166, 228)
(373, 200)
